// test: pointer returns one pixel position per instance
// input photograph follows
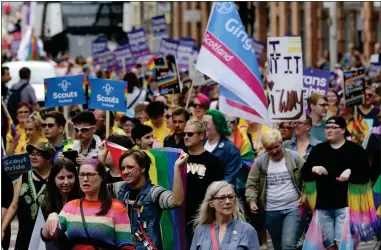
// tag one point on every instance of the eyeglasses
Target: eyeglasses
(83, 129)
(49, 125)
(295, 124)
(331, 127)
(22, 112)
(232, 121)
(36, 154)
(189, 134)
(285, 127)
(222, 199)
(324, 105)
(88, 175)
(198, 106)
(168, 116)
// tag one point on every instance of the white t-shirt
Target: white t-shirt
(210, 147)
(281, 192)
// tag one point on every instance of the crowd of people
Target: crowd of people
(243, 180)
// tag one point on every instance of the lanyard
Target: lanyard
(213, 234)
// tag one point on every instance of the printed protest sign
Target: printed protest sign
(105, 59)
(124, 58)
(64, 91)
(168, 47)
(354, 87)
(259, 47)
(184, 54)
(159, 27)
(106, 94)
(167, 78)
(138, 43)
(15, 165)
(285, 79)
(314, 80)
(227, 56)
(99, 44)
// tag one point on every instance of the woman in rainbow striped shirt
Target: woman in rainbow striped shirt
(95, 222)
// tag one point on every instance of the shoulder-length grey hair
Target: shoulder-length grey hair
(207, 214)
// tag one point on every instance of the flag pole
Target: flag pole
(190, 89)
(107, 123)
(6, 110)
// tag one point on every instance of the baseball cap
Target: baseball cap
(338, 120)
(41, 146)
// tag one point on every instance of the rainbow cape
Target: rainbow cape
(161, 173)
(362, 212)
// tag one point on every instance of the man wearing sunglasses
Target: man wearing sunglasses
(87, 143)
(53, 127)
(202, 169)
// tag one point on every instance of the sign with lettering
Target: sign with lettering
(184, 53)
(124, 58)
(259, 47)
(64, 91)
(168, 47)
(106, 94)
(159, 26)
(138, 43)
(15, 165)
(105, 59)
(285, 79)
(354, 87)
(167, 78)
(314, 80)
(98, 45)
(373, 69)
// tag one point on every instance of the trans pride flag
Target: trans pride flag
(161, 173)
(227, 56)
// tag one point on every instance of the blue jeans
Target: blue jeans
(285, 228)
(331, 222)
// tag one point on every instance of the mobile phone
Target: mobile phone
(71, 154)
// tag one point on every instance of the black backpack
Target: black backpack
(13, 99)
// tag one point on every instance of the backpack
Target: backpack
(13, 99)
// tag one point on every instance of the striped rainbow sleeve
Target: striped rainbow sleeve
(122, 224)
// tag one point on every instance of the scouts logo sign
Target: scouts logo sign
(64, 91)
(107, 94)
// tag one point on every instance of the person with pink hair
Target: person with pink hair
(200, 105)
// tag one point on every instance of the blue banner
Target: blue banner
(159, 26)
(124, 58)
(64, 91)
(16, 165)
(168, 47)
(106, 94)
(138, 43)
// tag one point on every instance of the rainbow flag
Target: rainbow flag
(11, 127)
(31, 47)
(151, 65)
(161, 173)
(245, 149)
(377, 196)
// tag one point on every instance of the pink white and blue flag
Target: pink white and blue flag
(227, 56)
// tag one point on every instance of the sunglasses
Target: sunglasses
(167, 116)
(331, 127)
(83, 129)
(22, 112)
(198, 106)
(49, 125)
(189, 134)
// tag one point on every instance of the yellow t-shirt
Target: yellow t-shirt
(159, 133)
(21, 147)
(116, 130)
(22, 139)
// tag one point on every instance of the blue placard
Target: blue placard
(64, 91)
(106, 94)
(16, 165)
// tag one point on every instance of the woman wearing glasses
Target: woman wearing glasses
(220, 222)
(33, 132)
(95, 221)
(17, 135)
(200, 105)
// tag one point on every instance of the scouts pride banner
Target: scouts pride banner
(64, 91)
(106, 94)
(138, 43)
(285, 78)
(227, 56)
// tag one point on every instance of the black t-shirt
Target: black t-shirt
(111, 179)
(202, 170)
(6, 190)
(332, 194)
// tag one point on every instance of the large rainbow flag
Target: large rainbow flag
(161, 173)
(31, 47)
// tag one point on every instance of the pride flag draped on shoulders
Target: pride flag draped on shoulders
(227, 56)
(161, 173)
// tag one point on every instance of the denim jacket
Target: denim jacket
(150, 213)
(291, 144)
(230, 155)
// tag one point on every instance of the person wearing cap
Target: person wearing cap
(200, 105)
(29, 192)
(128, 124)
(218, 144)
(87, 143)
(332, 165)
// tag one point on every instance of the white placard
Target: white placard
(285, 79)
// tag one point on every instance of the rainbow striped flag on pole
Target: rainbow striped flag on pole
(161, 173)
(31, 47)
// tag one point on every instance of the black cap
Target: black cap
(338, 120)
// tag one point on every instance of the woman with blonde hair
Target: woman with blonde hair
(220, 222)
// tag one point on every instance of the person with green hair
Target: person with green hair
(218, 144)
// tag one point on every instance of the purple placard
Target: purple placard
(184, 53)
(314, 80)
(168, 47)
(124, 57)
(15, 44)
(138, 43)
(159, 26)
(259, 47)
(99, 44)
(106, 59)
